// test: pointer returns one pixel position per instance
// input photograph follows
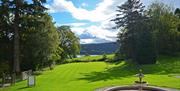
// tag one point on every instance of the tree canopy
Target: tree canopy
(145, 34)
(69, 42)
(29, 38)
(135, 37)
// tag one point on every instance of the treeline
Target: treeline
(145, 34)
(29, 38)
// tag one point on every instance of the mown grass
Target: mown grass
(87, 76)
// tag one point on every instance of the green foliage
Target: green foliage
(144, 47)
(104, 56)
(5, 37)
(177, 13)
(37, 43)
(135, 38)
(40, 46)
(5, 52)
(69, 42)
(17, 16)
(89, 58)
(165, 28)
(146, 34)
(92, 75)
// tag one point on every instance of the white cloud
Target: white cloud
(97, 32)
(75, 24)
(86, 41)
(90, 41)
(104, 9)
(103, 13)
(100, 33)
(84, 4)
(108, 24)
(77, 30)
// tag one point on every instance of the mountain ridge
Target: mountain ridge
(98, 48)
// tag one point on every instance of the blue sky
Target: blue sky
(90, 19)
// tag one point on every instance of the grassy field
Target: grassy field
(87, 76)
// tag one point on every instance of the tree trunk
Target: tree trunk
(16, 64)
(16, 50)
(3, 79)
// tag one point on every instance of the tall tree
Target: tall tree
(16, 24)
(69, 42)
(40, 45)
(14, 15)
(22, 8)
(131, 17)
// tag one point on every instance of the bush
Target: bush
(104, 57)
(118, 57)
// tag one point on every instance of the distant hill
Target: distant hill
(98, 49)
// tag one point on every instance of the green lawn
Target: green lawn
(88, 76)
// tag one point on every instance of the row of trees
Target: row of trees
(145, 34)
(29, 38)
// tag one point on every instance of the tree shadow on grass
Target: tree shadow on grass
(21, 88)
(111, 73)
(163, 67)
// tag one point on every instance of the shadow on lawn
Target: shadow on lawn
(22, 88)
(129, 69)
(111, 73)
